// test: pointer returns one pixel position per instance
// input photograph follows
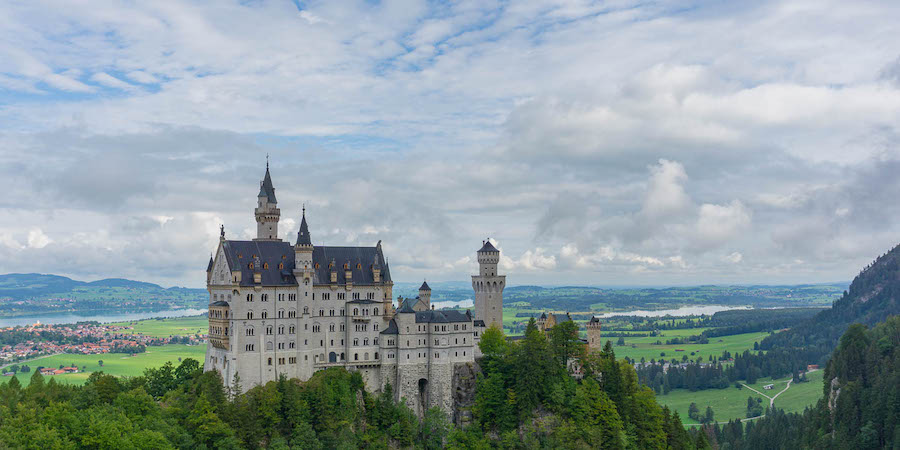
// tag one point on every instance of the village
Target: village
(91, 338)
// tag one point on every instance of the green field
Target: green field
(180, 326)
(731, 403)
(644, 347)
(113, 363)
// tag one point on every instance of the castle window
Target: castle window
(376, 355)
(269, 330)
(376, 313)
(355, 342)
(358, 266)
(249, 347)
(356, 356)
(265, 314)
(266, 266)
(331, 313)
(251, 266)
(321, 312)
(280, 266)
(291, 329)
(331, 327)
(249, 331)
(291, 344)
(317, 265)
(249, 314)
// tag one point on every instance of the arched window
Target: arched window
(264, 314)
(356, 356)
(266, 266)
(249, 314)
(376, 311)
(355, 311)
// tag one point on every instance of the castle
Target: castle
(281, 309)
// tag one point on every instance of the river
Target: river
(96, 316)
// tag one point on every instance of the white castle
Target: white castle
(280, 309)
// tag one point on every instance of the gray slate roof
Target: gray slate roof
(392, 328)
(479, 323)
(444, 316)
(406, 307)
(219, 303)
(488, 247)
(239, 255)
(266, 189)
(209, 266)
(594, 319)
(424, 286)
(303, 234)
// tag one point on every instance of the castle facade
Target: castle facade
(278, 308)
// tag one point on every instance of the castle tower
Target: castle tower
(593, 335)
(303, 250)
(425, 294)
(488, 286)
(267, 212)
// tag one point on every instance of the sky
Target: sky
(595, 143)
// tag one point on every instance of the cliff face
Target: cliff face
(463, 392)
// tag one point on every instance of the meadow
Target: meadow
(113, 363)
(731, 403)
(644, 347)
(180, 326)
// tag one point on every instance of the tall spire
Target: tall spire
(266, 189)
(303, 235)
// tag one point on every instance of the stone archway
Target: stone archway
(423, 396)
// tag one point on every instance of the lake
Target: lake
(679, 312)
(97, 316)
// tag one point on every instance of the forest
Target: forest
(525, 398)
(860, 407)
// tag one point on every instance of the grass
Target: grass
(644, 348)
(180, 326)
(731, 403)
(113, 363)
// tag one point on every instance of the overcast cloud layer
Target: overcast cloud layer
(610, 143)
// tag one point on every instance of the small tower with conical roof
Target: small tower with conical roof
(425, 294)
(488, 286)
(267, 212)
(303, 249)
(593, 334)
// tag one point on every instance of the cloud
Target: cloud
(624, 143)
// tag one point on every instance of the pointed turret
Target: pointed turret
(267, 212)
(303, 237)
(266, 189)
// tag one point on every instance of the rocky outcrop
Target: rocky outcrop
(463, 392)
(833, 394)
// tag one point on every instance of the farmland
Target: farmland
(114, 363)
(731, 403)
(180, 326)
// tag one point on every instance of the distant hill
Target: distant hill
(22, 286)
(872, 297)
(33, 293)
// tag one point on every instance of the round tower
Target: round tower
(488, 286)
(425, 294)
(593, 334)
